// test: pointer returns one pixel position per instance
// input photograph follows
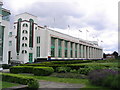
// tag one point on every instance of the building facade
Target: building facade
(4, 29)
(32, 42)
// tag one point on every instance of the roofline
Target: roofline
(25, 13)
(76, 38)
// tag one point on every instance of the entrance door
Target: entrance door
(9, 56)
(30, 57)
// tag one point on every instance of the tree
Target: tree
(115, 54)
(104, 55)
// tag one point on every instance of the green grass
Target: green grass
(7, 84)
(64, 80)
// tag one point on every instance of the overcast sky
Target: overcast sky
(99, 17)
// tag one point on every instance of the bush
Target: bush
(63, 69)
(74, 71)
(5, 66)
(115, 81)
(21, 69)
(69, 75)
(84, 70)
(43, 71)
(31, 82)
(102, 77)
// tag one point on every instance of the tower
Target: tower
(24, 26)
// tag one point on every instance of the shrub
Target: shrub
(43, 71)
(31, 82)
(97, 77)
(63, 69)
(112, 81)
(84, 70)
(21, 69)
(74, 71)
(5, 66)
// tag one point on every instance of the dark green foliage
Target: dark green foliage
(84, 70)
(21, 69)
(63, 69)
(5, 66)
(112, 81)
(104, 77)
(31, 82)
(69, 75)
(74, 71)
(43, 71)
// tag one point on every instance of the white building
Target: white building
(4, 29)
(32, 42)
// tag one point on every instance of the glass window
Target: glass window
(38, 39)
(59, 48)
(52, 47)
(25, 25)
(10, 43)
(24, 52)
(38, 51)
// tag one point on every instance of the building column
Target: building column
(56, 48)
(78, 51)
(73, 50)
(68, 55)
(63, 49)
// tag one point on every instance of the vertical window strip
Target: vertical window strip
(18, 35)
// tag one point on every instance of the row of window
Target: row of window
(81, 50)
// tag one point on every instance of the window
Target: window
(24, 52)
(24, 38)
(66, 48)
(10, 43)
(24, 45)
(76, 50)
(14, 27)
(35, 28)
(59, 48)
(25, 25)
(52, 47)
(38, 51)
(18, 35)
(25, 31)
(71, 50)
(31, 33)
(10, 34)
(38, 39)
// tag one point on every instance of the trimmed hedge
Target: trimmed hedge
(21, 69)
(43, 71)
(31, 82)
(63, 69)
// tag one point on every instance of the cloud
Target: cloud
(97, 16)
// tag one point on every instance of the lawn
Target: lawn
(7, 84)
(64, 80)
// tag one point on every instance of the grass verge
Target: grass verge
(7, 84)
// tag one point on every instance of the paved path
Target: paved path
(49, 84)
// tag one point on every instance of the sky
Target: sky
(93, 20)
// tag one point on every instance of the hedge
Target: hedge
(43, 71)
(21, 69)
(31, 82)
